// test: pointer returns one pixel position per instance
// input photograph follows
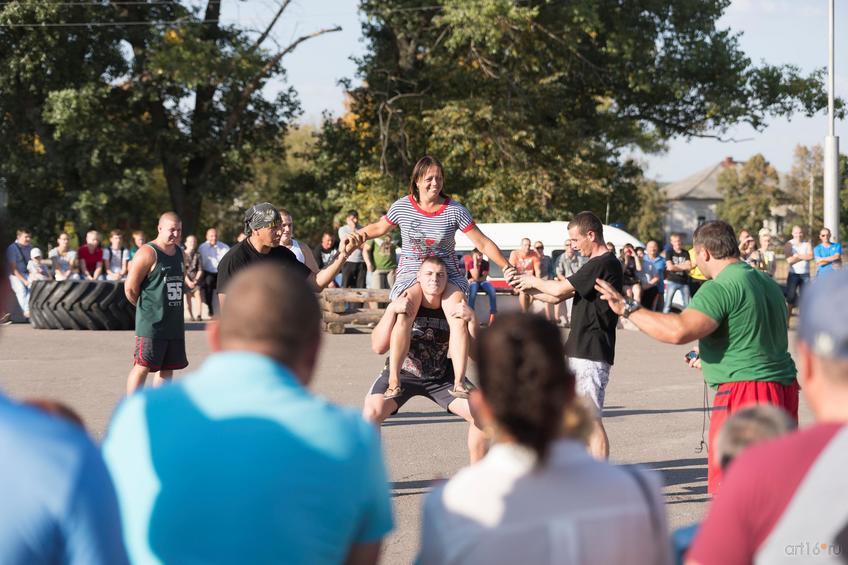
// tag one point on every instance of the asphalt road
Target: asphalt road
(654, 410)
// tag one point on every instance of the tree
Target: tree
(806, 179)
(532, 106)
(108, 94)
(750, 192)
(809, 164)
(647, 222)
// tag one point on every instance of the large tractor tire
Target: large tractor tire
(80, 305)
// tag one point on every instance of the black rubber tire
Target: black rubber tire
(80, 305)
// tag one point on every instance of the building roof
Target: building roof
(702, 185)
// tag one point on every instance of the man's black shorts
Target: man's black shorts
(160, 354)
(437, 391)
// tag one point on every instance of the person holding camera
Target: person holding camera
(739, 319)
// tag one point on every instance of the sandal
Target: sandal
(459, 392)
(392, 392)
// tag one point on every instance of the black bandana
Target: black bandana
(260, 216)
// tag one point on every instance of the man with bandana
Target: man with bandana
(263, 228)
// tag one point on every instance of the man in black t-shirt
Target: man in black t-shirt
(677, 267)
(262, 228)
(591, 343)
(426, 371)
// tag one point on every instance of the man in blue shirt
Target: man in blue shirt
(828, 256)
(652, 251)
(240, 462)
(57, 503)
(17, 257)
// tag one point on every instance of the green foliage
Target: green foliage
(531, 105)
(750, 192)
(647, 222)
(809, 164)
(94, 119)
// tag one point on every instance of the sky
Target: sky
(775, 31)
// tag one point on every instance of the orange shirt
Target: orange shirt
(525, 263)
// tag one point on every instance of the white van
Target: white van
(553, 236)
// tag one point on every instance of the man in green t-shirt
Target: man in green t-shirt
(739, 319)
(382, 262)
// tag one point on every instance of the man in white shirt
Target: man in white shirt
(302, 252)
(211, 252)
(799, 253)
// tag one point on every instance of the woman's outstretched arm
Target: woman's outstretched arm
(378, 228)
(487, 247)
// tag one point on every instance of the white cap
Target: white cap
(36, 252)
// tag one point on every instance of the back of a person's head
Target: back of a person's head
(57, 409)
(822, 326)
(586, 222)
(272, 310)
(748, 426)
(718, 238)
(524, 379)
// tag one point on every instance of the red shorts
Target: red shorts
(160, 354)
(730, 397)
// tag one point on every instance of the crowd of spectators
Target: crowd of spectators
(278, 474)
(661, 279)
(95, 260)
(241, 462)
(654, 277)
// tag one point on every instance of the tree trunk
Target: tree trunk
(192, 203)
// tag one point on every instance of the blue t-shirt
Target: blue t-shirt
(19, 255)
(239, 463)
(57, 503)
(821, 252)
(659, 264)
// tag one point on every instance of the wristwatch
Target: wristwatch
(630, 306)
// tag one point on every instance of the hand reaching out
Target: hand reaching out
(524, 282)
(350, 243)
(509, 273)
(612, 296)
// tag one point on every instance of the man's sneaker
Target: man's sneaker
(6, 319)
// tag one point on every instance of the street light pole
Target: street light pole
(831, 142)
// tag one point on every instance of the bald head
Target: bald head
(273, 311)
(169, 217)
(169, 231)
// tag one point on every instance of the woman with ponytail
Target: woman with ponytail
(538, 496)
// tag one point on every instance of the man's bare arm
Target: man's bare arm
(143, 261)
(325, 276)
(536, 287)
(541, 296)
(669, 328)
(381, 335)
